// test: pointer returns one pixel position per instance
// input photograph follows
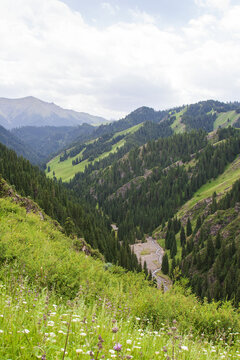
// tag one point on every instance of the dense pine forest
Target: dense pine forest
(74, 214)
(149, 188)
(140, 187)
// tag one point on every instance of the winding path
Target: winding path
(152, 253)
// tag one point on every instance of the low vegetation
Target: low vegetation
(57, 302)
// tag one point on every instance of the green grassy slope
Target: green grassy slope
(225, 119)
(66, 171)
(191, 208)
(177, 125)
(41, 268)
(219, 185)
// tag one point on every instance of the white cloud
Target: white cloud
(112, 9)
(141, 16)
(214, 4)
(49, 51)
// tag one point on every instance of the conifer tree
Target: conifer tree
(145, 268)
(173, 250)
(189, 227)
(173, 265)
(198, 224)
(210, 251)
(182, 237)
(218, 241)
(165, 264)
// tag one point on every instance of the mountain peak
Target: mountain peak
(31, 111)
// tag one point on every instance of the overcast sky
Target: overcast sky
(110, 57)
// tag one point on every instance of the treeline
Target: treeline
(8, 139)
(76, 216)
(145, 189)
(203, 114)
(49, 140)
(210, 251)
(153, 190)
(211, 257)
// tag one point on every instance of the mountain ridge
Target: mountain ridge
(31, 111)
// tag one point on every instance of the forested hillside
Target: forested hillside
(57, 301)
(49, 140)
(21, 148)
(110, 142)
(146, 187)
(109, 146)
(202, 240)
(175, 187)
(74, 214)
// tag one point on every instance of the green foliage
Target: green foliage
(37, 251)
(8, 139)
(189, 227)
(49, 140)
(59, 203)
(215, 273)
(165, 264)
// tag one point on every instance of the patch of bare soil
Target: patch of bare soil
(152, 253)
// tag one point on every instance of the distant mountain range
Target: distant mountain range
(20, 147)
(30, 111)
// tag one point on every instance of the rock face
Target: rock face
(30, 111)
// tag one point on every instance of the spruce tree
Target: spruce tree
(173, 250)
(145, 268)
(210, 251)
(165, 264)
(173, 265)
(189, 227)
(182, 236)
(198, 224)
(218, 241)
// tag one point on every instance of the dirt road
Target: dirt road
(152, 253)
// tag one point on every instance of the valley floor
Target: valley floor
(151, 252)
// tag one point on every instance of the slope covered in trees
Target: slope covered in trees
(147, 187)
(202, 241)
(109, 146)
(59, 302)
(137, 128)
(74, 214)
(21, 148)
(49, 140)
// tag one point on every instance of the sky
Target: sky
(110, 57)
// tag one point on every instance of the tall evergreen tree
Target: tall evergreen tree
(189, 227)
(165, 264)
(182, 236)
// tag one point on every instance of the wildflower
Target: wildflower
(129, 341)
(1, 331)
(117, 347)
(184, 347)
(78, 351)
(83, 334)
(50, 323)
(112, 351)
(115, 329)
(26, 331)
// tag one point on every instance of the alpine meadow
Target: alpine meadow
(119, 180)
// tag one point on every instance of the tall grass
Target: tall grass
(58, 303)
